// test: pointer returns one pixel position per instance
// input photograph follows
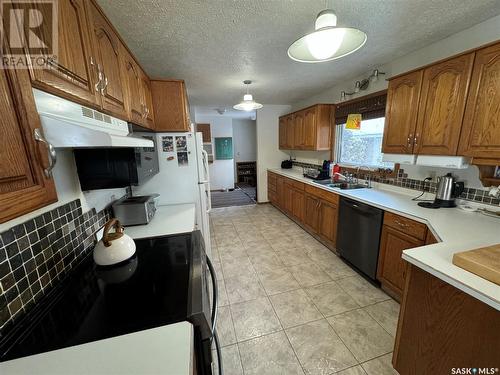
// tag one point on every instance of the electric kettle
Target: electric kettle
(447, 190)
(114, 247)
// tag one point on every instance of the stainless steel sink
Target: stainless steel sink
(341, 185)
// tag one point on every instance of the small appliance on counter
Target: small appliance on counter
(318, 174)
(114, 247)
(287, 164)
(138, 210)
(447, 190)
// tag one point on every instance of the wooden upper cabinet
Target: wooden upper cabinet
(72, 75)
(401, 111)
(442, 105)
(481, 126)
(23, 185)
(307, 129)
(170, 106)
(147, 98)
(132, 74)
(206, 134)
(108, 63)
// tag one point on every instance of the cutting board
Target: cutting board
(484, 262)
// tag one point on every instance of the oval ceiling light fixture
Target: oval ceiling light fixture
(248, 104)
(328, 42)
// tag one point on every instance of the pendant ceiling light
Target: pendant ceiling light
(328, 42)
(248, 104)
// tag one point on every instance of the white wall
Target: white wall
(480, 34)
(221, 171)
(244, 142)
(68, 189)
(268, 153)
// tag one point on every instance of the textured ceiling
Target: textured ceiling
(215, 44)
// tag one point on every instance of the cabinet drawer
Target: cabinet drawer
(405, 225)
(323, 194)
(296, 184)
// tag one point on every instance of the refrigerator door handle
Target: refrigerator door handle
(207, 181)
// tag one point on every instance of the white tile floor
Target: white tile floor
(291, 306)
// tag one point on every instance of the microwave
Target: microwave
(117, 167)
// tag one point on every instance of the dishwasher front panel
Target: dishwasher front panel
(358, 237)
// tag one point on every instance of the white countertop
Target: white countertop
(457, 229)
(168, 220)
(163, 350)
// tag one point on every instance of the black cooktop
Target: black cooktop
(152, 289)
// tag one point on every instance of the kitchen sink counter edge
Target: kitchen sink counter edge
(457, 229)
(162, 350)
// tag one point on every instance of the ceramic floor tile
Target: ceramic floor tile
(236, 266)
(364, 337)
(319, 349)
(269, 355)
(308, 274)
(217, 269)
(225, 327)
(336, 268)
(293, 256)
(386, 313)
(222, 294)
(231, 362)
(243, 288)
(362, 291)
(355, 370)
(277, 280)
(266, 258)
(294, 308)
(330, 298)
(254, 318)
(380, 366)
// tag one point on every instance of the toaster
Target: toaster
(137, 210)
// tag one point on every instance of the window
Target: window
(362, 147)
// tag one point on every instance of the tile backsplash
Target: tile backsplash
(36, 254)
(402, 180)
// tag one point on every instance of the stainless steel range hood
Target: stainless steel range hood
(70, 125)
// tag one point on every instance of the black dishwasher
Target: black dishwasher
(358, 236)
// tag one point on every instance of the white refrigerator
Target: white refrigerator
(183, 176)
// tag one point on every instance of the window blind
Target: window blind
(369, 108)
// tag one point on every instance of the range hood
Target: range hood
(455, 162)
(70, 125)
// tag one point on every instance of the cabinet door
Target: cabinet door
(108, 51)
(170, 103)
(391, 266)
(147, 99)
(298, 131)
(282, 133)
(72, 75)
(401, 112)
(481, 126)
(290, 132)
(135, 105)
(309, 129)
(442, 106)
(288, 197)
(311, 218)
(23, 185)
(328, 221)
(298, 204)
(280, 192)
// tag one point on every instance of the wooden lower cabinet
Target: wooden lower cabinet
(328, 214)
(441, 328)
(311, 218)
(298, 204)
(391, 266)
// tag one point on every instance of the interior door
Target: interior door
(442, 106)
(72, 75)
(481, 126)
(23, 185)
(401, 113)
(107, 47)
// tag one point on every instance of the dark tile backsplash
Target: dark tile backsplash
(35, 255)
(402, 180)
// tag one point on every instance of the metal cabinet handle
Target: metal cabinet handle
(100, 76)
(401, 224)
(415, 140)
(52, 153)
(105, 84)
(215, 303)
(410, 136)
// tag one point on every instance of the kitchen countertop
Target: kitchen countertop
(168, 220)
(457, 229)
(163, 350)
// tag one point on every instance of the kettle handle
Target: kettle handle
(106, 237)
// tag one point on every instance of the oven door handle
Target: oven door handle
(215, 292)
(219, 353)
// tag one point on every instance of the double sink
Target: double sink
(341, 185)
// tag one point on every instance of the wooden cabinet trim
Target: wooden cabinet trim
(405, 225)
(323, 194)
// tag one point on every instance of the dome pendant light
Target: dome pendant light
(248, 104)
(328, 42)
